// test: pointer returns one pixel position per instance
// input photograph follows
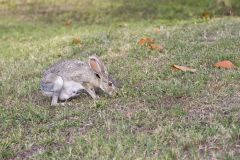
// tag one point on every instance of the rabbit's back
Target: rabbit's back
(68, 68)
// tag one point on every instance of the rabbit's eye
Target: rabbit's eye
(97, 75)
(110, 83)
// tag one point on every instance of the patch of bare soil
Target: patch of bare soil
(206, 111)
(34, 150)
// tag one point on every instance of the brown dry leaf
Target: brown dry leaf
(160, 48)
(68, 22)
(183, 68)
(76, 41)
(123, 25)
(144, 41)
(206, 15)
(224, 64)
(149, 42)
(157, 30)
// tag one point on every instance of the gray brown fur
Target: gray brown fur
(64, 79)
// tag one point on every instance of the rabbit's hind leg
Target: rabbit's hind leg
(58, 85)
(55, 99)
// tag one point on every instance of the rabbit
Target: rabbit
(66, 79)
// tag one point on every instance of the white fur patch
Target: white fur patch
(70, 89)
(58, 84)
(49, 88)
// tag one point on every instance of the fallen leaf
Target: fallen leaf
(123, 25)
(144, 41)
(76, 41)
(68, 22)
(183, 68)
(225, 64)
(206, 15)
(160, 48)
(157, 30)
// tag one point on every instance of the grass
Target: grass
(158, 114)
(109, 11)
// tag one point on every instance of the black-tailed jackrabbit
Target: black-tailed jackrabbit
(65, 79)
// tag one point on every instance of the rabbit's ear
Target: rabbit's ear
(97, 65)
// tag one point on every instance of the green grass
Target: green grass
(158, 114)
(109, 11)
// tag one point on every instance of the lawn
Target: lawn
(159, 113)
